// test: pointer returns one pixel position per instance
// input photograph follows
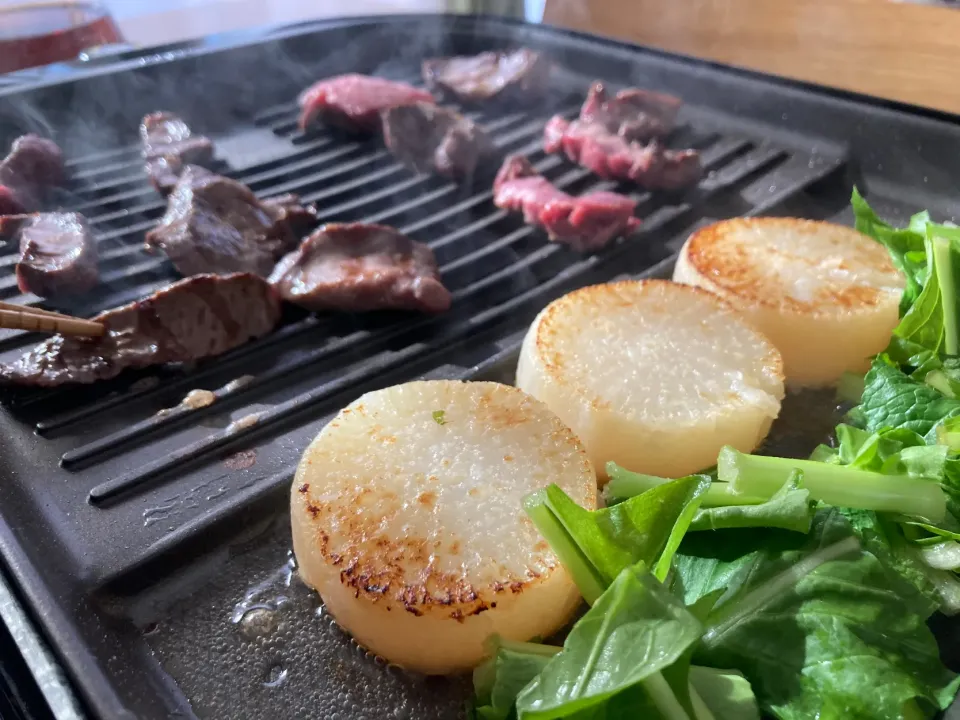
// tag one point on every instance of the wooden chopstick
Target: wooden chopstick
(19, 317)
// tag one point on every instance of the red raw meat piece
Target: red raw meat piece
(353, 102)
(584, 223)
(610, 156)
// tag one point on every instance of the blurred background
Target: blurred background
(148, 22)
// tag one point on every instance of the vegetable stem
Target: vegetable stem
(834, 484)
(700, 709)
(591, 586)
(624, 484)
(662, 695)
(943, 262)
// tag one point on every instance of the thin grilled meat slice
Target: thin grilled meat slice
(216, 225)
(353, 102)
(587, 222)
(58, 255)
(519, 76)
(633, 114)
(196, 318)
(358, 267)
(429, 138)
(168, 146)
(610, 156)
(32, 167)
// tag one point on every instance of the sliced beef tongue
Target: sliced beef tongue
(587, 222)
(58, 255)
(428, 138)
(32, 167)
(196, 318)
(216, 225)
(633, 114)
(610, 156)
(168, 146)
(353, 102)
(358, 267)
(519, 76)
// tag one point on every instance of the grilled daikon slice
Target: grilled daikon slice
(653, 375)
(826, 295)
(408, 519)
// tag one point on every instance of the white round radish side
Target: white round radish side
(407, 518)
(826, 295)
(653, 375)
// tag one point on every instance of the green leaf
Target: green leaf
(820, 629)
(647, 528)
(923, 324)
(906, 246)
(884, 539)
(726, 692)
(635, 630)
(892, 399)
(791, 508)
(509, 668)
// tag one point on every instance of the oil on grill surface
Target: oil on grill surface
(165, 477)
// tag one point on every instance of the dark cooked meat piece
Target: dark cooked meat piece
(357, 267)
(519, 76)
(216, 225)
(169, 145)
(34, 165)
(58, 255)
(633, 114)
(353, 102)
(584, 223)
(428, 138)
(610, 156)
(196, 318)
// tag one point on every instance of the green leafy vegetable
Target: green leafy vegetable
(906, 246)
(438, 417)
(636, 630)
(509, 668)
(834, 484)
(727, 693)
(790, 508)
(820, 627)
(892, 399)
(647, 528)
(850, 387)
